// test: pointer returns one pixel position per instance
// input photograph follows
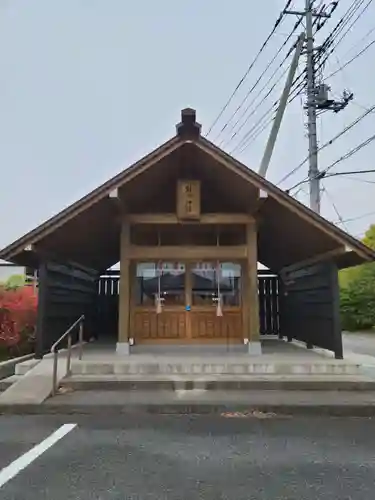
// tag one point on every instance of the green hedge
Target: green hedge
(357, 298)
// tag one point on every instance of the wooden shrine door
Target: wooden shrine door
(189, 302)
(151, 280)
(208, 282)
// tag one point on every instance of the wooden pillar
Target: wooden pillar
(245, 302)
(124, 291)
(252, 289)
(188, 298)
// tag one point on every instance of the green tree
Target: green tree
(357, 292)
(15, 281)
(369, 238)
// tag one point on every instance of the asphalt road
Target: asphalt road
(189, 457)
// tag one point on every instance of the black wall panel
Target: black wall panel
(65, 292)
(310, 307)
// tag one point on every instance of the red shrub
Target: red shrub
(17, 314)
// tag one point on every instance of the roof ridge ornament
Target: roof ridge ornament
(188, 127)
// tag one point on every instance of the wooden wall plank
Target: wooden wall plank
(310, 306)
(65, 292)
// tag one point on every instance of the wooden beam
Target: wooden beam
(114, 195)
(262, 198)
(214, 218)
(98, 194)
(187, 252)
(29, 248)
(319, 258)
(287, 201)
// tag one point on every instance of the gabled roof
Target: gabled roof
(188, 132)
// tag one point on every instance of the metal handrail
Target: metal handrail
(55, 351)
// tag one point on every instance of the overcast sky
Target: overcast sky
(89, 86)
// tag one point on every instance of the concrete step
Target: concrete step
(224, 403)
(217, 383)
(239, 366)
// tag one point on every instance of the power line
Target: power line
(277, 23)
(224, 142)
(350, 153)
(321, 9)
(263, 98)
(317, 96)
(320, 58)
(328, 143)
(351, 60)
(251, 103)
(333, 174)
(255, 135)
(322, 174)
(343, 21)
(357, 179)
(359, 42)
(247, 139)
(336, 30)
(353, 8)
(253, 112)
(355, 20)
(247, 136)
(324, 189)
(260, 77)
(358, 217)
(296, 90)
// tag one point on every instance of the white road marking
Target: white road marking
(27, 458)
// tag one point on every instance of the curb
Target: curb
(219, 385)
(349, 410)
(7, 368)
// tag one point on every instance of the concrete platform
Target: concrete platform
(278, 358)
(283, 366)
(218, 383)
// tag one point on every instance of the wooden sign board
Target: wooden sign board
(188, 199)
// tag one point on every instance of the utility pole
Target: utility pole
(317, 97)
(311, 112)
(281, 109)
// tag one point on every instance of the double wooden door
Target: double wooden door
(188, 295)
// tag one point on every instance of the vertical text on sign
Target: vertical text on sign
(188, 199)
